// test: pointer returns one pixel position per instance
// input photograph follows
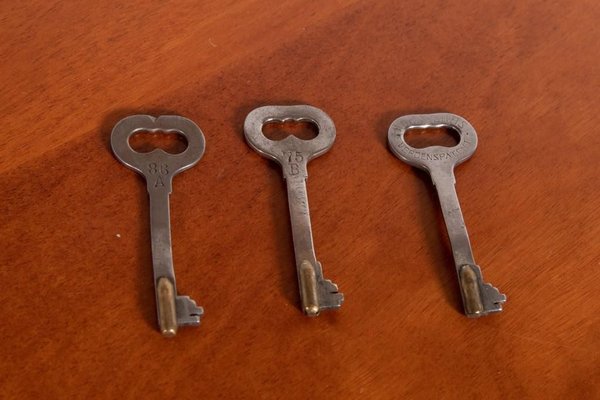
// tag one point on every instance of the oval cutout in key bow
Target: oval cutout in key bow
(145, 141)
(279, 130)
(421, 138)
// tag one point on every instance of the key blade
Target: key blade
(187, 312)
(479, 298)
(316, 292)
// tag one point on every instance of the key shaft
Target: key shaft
(479, 298)
(299, 212)
(162, 260)
(160, 233)
(300, 221)
(444, 182)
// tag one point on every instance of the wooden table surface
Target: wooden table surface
(77, 296)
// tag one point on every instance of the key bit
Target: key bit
(293, 155)
(317, 293)
(159, 168)
(479, 298)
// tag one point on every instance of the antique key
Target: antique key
(479, 298)
(159, 168)
(293, 155)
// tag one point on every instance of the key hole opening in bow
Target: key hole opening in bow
(145, 141)
(420, 138)
(279, 130)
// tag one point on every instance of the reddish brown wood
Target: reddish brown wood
(77, 299)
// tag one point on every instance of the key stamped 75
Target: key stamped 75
(293, 154)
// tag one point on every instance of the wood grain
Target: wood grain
(77, 299)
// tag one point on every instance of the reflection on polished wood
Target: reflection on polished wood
(78, 302)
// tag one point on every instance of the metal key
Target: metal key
(479, 298)
(293, 155)
(159, 168)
